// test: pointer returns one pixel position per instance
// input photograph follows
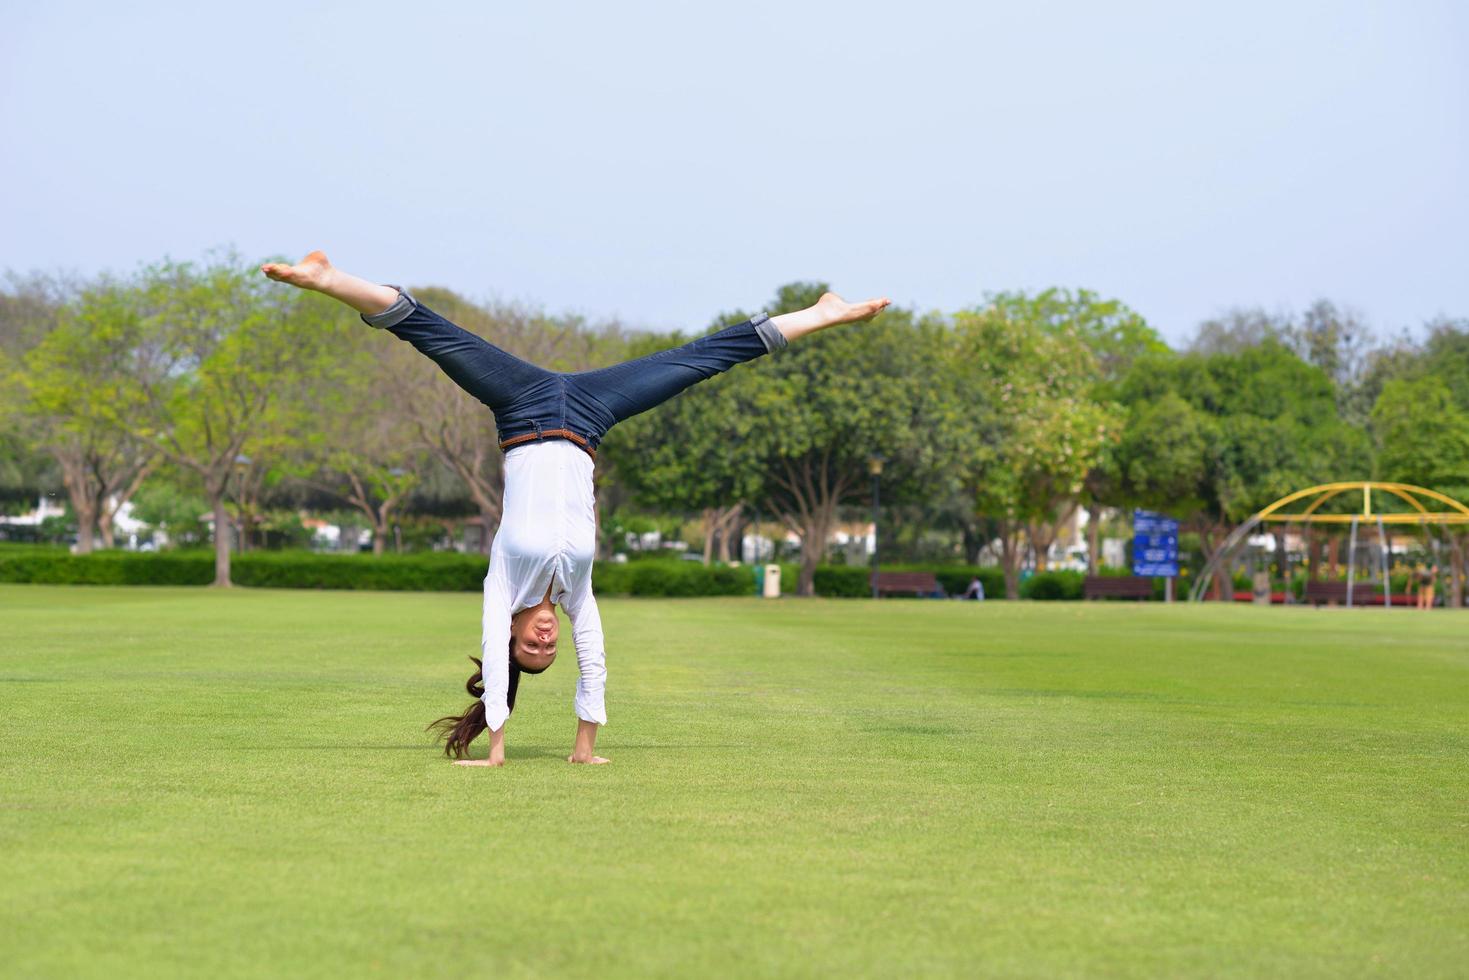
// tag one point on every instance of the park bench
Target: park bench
(1116, 587)
(906, 583)
(1363, 593)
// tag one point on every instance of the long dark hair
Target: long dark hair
(457, 731)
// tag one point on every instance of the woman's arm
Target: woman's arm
(591, 662)
(495, 651)
(494, 654)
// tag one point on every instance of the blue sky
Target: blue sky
(659, 162)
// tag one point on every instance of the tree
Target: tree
(1327, 336)
(30, 307)
(1422, 437)
(363, 452)
(1238, 330)
(1421, 434)
(1046, 427)
(693, 453)
(218, 352)
(1263, 423)
(1117, 337)
(165, 504)
(1338, 342)
(67, 380)
(819, 410)
(1446, 355)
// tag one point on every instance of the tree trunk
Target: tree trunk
(1010, 558)
(116, 497)
(84, 534)
(379, 540)
(1333, 557)
(1040, 543)
(973, 542)
(726, 521)
(1093, 540)
(83, 502)
(221, 541)
(813, 549)
(710, 525)
(1222, 588)
(806, 583)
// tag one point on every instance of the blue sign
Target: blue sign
(1154, 545)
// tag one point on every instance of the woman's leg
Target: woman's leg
(490, 374)
(631, 388)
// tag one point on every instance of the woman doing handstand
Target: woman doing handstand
(549, 426)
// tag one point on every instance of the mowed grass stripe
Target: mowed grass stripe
(239, 782)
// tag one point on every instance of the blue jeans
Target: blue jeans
(532, 403)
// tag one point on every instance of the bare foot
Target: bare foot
(595, 760)
(311, 272)
(478, 762)
(834, 310)
(829, 311)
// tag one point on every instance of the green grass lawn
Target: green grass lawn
(238, 783)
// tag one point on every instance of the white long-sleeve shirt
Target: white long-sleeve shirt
(547, 538)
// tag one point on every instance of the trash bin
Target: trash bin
(770, 589)
(1262, 588)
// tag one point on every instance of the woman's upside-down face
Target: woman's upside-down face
(535, 632)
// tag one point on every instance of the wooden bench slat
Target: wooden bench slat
(1116, 586)
(916, 583)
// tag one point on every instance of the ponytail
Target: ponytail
(457, 731)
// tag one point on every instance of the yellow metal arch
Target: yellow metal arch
(1456, 513)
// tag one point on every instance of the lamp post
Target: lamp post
(874, 466)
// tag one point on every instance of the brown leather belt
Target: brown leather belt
(549, 434)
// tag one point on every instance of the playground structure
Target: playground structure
(1431, 513)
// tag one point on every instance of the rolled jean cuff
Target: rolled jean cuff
(773, 338)
(395, 314)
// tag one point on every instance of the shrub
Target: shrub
(846, 581)
(1059, 584)
(444, 571)
(650, 577)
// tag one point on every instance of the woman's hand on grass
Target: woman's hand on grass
(584, 749)
(497, 752)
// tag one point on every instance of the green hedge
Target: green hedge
(434, 572)
(662, 577)
(1060, 584)
(437, 572)
(453, 572)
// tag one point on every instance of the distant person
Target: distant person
(1427, 579)
(550, 425)
(975, 590)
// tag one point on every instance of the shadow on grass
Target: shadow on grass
(342, 747)
(511, 751)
